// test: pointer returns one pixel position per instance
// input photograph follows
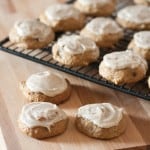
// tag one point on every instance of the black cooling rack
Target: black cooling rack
(90, 73)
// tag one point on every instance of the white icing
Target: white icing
(142, 39)
(75, 44)
(58, 12)
(136, 13)
(47, 83)
(32, 28)
(104, 115)
(103, 26)
(94, 2)
(41, 114)
(124, 59)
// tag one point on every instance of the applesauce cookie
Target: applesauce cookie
(31, 34)
(42, 120)
(63, 17)
(141, 44)
(46, 87)
(104, 31)
(101, 120)
(96, 7)
(74, 50)
(123, 67)
(136, 17)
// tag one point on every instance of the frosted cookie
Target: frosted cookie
(143, 2)
(46, 87)
(42, 120)
(104, 31)
(63, 17)
(141, 44)
(96, 7)
(101, 120)
(75, 50)
(135, 17)
(31, 34)
(123, 67)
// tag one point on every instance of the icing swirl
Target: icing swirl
(75, 44)
(32, 28)
(41, 114)
(142, 39)
(124, 59)
(104, 115)
(137, 14)
(103, 25)
(47, 83)
(58, 12)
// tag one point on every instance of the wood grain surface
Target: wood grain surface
(14, 69)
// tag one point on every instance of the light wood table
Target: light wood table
(14, 69)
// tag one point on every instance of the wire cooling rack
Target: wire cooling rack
(90, 73)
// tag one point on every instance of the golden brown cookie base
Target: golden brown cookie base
(141, 51)
(132, 25)
(103, 40)
(43, 132)
(74, 60)
(98, 10)
(29, 42)
(40, 97)
(143, 2)
(121, 76)
(88, 128)
(70, 24)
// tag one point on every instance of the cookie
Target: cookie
(101, 120)
(96, 7)
(74, 50)
(104, 31)
(136, 17)
(42, 120)
(141, 44)
(31, 34)
(46, 87)
(63, 17)
(123, 67)
(142, 2)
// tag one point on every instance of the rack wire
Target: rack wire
(90, 73)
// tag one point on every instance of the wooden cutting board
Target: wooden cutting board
(14, 69)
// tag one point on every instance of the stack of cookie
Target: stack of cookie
(41, 118)
(137, 17)
(102, 31)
